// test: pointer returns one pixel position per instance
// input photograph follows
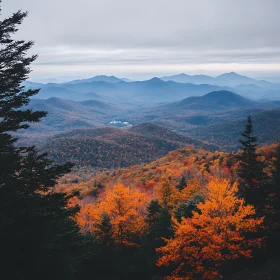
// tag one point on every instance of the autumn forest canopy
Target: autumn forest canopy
(173, 178)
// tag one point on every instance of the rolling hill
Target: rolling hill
(185, 116)
(214, 107)
(66, 115)
(227, 134)
(213, 101)
(113, 147)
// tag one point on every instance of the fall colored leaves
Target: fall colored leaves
(202, 244)
(213, 236)
(185, 212)
(124, 209)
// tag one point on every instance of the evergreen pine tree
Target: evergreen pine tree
(251, 170)
(38, 237)
(185, 209)
(104, 235)
(272, 218)
(153, 210)
(159, 222)
(163, 226)
(276, 171)
(14, 69)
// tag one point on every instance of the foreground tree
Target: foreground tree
(115, 222)
(272, 220)
(37, 233)
(213, 237)
(275, 184)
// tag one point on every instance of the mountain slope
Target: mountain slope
(234, 79)
(192, 114)
(211, 107)
(153, 130)
(65, 115)
(215, 100)
(112, 147)
(100, 78)
(227, 134)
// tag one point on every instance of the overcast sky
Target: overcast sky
(151, 37)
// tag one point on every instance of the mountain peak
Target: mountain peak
(225, 97)
(221, 93)
(99, 78)
(182, 75)
(234, 79)
(156, 80)
(230, 74)
(216, 100)
(105, 76)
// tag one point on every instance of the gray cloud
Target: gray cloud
(150, 32)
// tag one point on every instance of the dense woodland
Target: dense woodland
(192, 214)
(174, 191)
(102, 147)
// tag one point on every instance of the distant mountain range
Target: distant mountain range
(138, 94)
(200, 106)
(131, 94)
(227, 79)
(100, 78)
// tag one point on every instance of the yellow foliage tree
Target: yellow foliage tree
(126, 209)
(191, 190)
(167, 194)
(212, 237)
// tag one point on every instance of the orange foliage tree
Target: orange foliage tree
(125, 209)
(191, 190)
(167, 194)
(170, 196)
(213, 236)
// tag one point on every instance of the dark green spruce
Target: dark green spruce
(186, 209)
(272, 218)
(251, 169)
(38, 237)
